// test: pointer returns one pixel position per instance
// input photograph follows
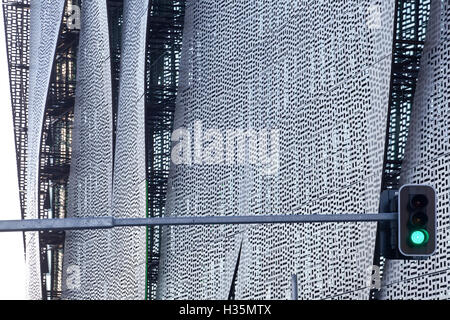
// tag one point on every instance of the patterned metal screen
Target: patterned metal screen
(108, 264)
(278, 112)
(279, 107)
(46, 19)
(427, 161)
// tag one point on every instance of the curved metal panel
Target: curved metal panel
(427, 161)
(129, 196)
(87, 257)
(45, 20)
(252, 69)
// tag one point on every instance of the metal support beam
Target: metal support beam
(111, 222)
(57, 224)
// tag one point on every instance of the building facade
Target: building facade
(154, 108)
(309, 105)
(427, 161)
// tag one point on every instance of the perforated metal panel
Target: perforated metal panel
(45, 19)
(303, 85)
(110, 264)
(316, 71)
(427, 161)
(129, 197)
(90, 180)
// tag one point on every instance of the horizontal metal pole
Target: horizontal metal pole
(57, 224)
(110, 222)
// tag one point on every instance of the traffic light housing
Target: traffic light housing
(417, 220)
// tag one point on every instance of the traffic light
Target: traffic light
(417, 220)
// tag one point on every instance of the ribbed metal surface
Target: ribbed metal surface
(318, 73)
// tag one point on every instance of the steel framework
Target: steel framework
(56, 154)
(410, 26)
(56, 138)
(16, 16)
(55, 146)
(411, 17)
(164, 37)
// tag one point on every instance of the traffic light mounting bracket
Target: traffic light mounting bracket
(387, 231)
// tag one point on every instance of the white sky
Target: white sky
(12, 264)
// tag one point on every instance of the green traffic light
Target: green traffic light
(419, 237)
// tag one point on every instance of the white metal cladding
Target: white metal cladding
(427, 160)
(45, 21)
(317, 72)
(129, 196)
(90, 180)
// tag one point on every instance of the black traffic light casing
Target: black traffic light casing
(417, 220)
